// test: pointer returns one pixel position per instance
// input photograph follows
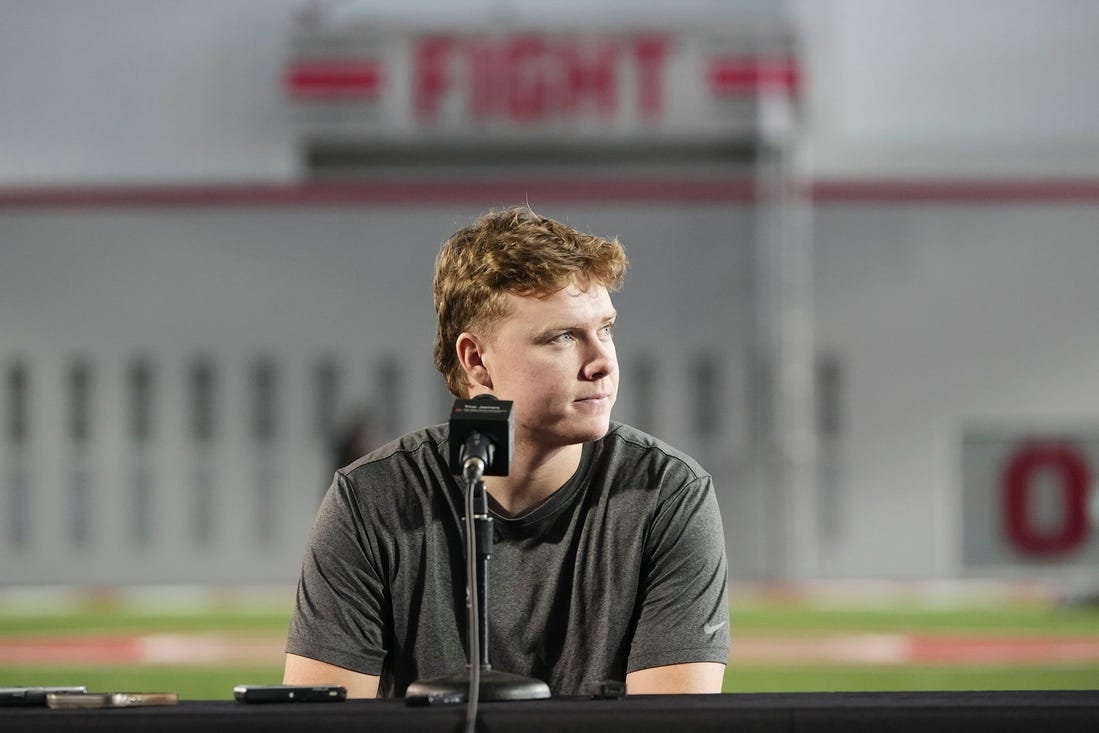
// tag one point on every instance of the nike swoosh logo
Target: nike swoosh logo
(711, 628)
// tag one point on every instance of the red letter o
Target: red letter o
(1018, 477)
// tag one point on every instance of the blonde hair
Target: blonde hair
(511, 251)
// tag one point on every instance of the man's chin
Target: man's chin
(579, 431)
(594, 430)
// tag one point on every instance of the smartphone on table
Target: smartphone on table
(25, 696)
(96, 700)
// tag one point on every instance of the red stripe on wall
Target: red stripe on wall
(389, 192)
(736, 76)
(959, 191)
(334, 79)
(585, 191)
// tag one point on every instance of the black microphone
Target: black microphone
(482, 437)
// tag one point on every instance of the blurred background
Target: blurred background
(863, 246)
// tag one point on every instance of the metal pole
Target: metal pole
(783, 362)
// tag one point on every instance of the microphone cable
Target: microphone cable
(474, 640)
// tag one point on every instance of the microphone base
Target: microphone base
(494, 685)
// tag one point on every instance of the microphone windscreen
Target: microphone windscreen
(493, 419)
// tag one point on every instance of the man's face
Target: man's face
(554, 357)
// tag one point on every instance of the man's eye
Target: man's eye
(608, 330)
(561, 338)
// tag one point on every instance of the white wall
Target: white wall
(143, 91)
(943, 88)
(946, 317)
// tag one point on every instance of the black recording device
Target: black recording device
(289, 693)
(482, 428)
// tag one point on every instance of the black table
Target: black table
(938, 712)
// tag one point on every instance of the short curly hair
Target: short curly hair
(511, 251)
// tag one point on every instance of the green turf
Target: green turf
(753, 619)
(191, 683)
(786, 619)
(106, 621)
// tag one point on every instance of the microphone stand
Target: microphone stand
(478, 679)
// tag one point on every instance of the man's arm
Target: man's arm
(305, 671)
(692, 678)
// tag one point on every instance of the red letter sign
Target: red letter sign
(1018, 481)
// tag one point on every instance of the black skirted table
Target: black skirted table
(937, 712)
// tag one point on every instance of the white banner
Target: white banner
(395, 85)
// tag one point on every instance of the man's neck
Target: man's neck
(533, 478)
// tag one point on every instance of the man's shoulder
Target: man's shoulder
(624, 442)
(423, 447)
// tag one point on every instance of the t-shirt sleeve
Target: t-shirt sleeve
(339, 614)
(683, 611)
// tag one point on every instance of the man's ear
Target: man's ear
(471, 355)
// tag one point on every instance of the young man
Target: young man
(608, 558)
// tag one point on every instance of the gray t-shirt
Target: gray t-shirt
(623, 568)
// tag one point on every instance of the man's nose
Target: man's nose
(601, 361)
